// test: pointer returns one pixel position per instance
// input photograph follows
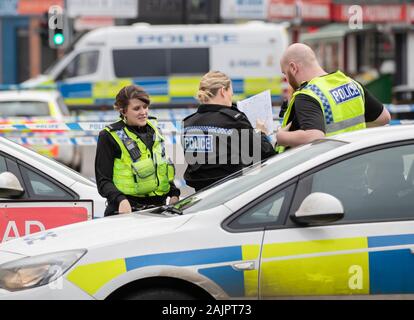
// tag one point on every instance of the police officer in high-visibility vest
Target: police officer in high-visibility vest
(323, 104)
(131, 166)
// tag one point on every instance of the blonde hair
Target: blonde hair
(210, 84)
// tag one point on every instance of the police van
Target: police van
(168, 62)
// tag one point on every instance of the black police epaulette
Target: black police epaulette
(303, 85)
(234, 114)
(152, 118)
(189, 116)
(116, 125)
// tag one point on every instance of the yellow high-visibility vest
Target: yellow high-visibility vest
(342, 102)
(150, 175)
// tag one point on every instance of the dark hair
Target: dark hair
(127, 93)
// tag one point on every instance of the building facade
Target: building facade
(366, 40)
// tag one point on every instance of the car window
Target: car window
(189, 61)
(372, 187)
(134, 63)
(10, 165)
(83, 64)
(24, 109)
(253, 176)
(265, 212)
(3, 167)
(129, 63)
(54, 165)
(42, 188)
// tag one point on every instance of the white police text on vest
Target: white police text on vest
(345, 92)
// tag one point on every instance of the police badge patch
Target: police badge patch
(345, 92)
(198, 143)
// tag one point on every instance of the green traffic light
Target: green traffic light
(58, 39)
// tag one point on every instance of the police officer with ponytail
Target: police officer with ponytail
(218, 140)
(131, 167)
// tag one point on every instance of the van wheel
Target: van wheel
(159, 294)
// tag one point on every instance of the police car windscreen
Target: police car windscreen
(251, 177)
(24, 109)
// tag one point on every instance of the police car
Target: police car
(38, 193)
(332, 218)
(44, 104)
(37, 106)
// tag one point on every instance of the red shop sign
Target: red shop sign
(307, 10)
(371, 13)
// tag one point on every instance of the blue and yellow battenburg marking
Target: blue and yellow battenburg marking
(338, 267)
(92, 277)
(320, 267)
(162, 90)
(300, 268)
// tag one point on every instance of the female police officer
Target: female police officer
(218, 139)
(131, 166)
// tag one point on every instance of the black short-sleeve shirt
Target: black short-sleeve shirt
(307, 114)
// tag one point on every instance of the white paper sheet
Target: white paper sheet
(259, 107)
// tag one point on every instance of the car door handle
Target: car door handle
(247, 265)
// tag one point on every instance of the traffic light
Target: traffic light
(58, 38)
(58, 28)
(44, 29)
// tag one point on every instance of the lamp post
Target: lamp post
(297, 21)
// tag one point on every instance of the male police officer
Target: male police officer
(323, 104)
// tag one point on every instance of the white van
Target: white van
(168, 62)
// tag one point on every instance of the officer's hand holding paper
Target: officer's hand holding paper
(260, 125)
(258, 110)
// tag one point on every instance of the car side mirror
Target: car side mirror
(10, 186)
(319, 208)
